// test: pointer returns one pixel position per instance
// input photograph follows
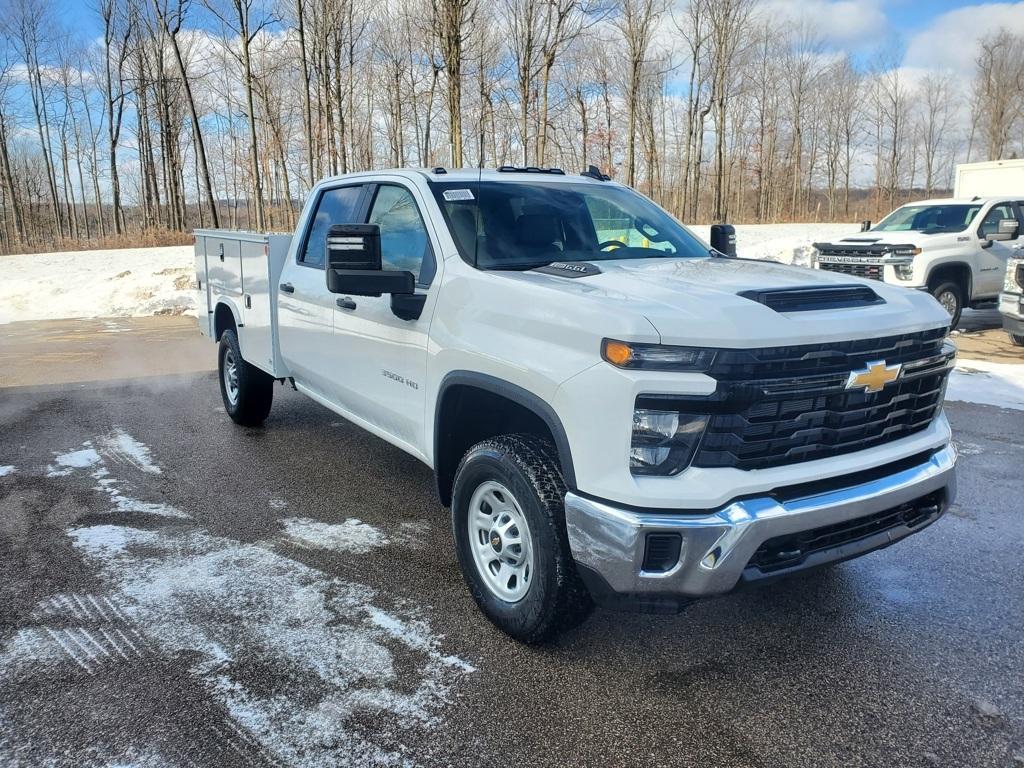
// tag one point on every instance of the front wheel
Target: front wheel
(247, 391)
(1017, 339)
(951, 296)
(508, 518)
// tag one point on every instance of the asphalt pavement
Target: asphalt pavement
(179, 591)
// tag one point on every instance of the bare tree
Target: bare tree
(936, 114)
(171, 15)
(451, 22)
(117, 32)
(1000, 89)
(635, 22)
(246, 19)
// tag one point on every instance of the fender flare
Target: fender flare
(524, 397)
(227, 302)
(956, 265)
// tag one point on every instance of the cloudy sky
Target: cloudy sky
(936, 34)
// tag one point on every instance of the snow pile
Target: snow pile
(127, 282)
(784, 243)
(979, 381)
(7, 469)
(135, 282)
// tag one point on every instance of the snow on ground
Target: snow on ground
(353, 535)
(7, 469)
(223, 612)
(980, 381)
(126, 282)
(134, 282)
(785, 243)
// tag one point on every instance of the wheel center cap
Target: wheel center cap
(495, 541)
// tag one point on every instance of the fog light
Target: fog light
(904, 271)
(663, 442)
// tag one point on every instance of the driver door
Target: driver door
(384, 381)
(992, 260)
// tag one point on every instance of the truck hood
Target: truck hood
(697, 301)
(939, 240)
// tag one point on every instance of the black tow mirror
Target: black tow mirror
(1007, 229)
(865, 226)
(723, 238)
(354, 263)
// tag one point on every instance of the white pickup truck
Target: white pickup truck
(1011, 301)
(956, 250)
(613, 411)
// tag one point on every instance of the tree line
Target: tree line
(186, 113)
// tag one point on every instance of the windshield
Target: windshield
(512, 225)
(929, 219)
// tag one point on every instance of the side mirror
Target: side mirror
(723, 238)
(865, 226)
(1008, 229)
(354, 264)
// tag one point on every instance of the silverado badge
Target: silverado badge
(874, 376)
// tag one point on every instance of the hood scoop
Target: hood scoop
(815, 298)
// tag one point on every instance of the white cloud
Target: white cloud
(840, 23)
(950, 41)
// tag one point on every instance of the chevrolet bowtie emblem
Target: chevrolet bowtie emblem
(874, 376)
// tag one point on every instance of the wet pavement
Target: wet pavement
(179, 591)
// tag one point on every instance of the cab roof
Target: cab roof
(964, 200)
(472, 175)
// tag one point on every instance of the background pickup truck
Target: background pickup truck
(1011, 301)
(955, 249)
(613, 411)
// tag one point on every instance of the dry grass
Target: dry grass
(150, 238)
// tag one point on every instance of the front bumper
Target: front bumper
(609, 542)
(1011, 306)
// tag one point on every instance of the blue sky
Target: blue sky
(934, 33)
(906, 15)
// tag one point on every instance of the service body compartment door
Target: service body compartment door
(262, 258)
(204, 312)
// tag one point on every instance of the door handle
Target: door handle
(287, 288)
(345, 303)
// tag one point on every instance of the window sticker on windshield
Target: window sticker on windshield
(452, 195)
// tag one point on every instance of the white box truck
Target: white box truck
(994, 178)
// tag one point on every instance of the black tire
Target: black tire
(556, 598)
(1017, 339)
(255, 388)
(955, 293)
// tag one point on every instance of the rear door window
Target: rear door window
(339, 205)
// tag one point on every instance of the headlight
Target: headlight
(656, 357)
(906, 250)
(904, 271)
(664, 441)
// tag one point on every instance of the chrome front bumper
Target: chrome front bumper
(609, 542)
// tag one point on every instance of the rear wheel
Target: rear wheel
(508, 518)
(951, 296)
(247, 391)
(1017, 339)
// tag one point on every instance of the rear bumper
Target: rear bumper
(752, 538)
